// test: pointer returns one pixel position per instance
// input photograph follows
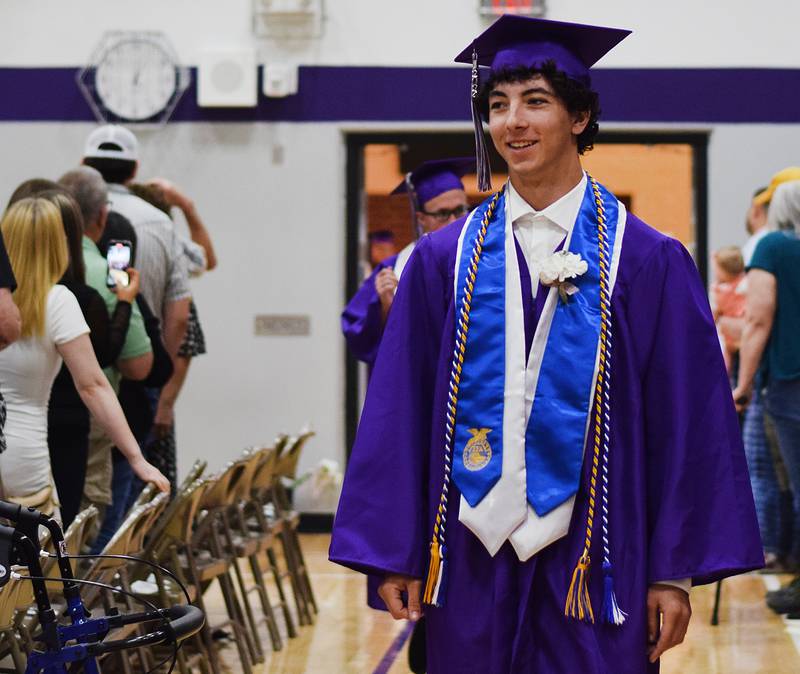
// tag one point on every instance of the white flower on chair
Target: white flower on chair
(327, 478)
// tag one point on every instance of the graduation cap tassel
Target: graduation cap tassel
(481, 149)
(412, 198)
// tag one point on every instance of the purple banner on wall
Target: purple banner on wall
(377, 94)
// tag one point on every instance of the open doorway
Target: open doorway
(660, 176)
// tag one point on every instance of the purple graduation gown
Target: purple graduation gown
(362, 327)
(680, 499)
(362, 324)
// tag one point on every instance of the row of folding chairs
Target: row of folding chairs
(214, 526)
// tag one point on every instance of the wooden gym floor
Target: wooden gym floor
(349, 638)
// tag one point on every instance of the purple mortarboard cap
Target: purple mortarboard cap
(519, 41)
(433, 178)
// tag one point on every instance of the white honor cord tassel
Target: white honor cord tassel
(611, 612)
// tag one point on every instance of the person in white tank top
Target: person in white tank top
(53, 331)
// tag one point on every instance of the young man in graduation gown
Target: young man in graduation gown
(548, 452)
(437, 198)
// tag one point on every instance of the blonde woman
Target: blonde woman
(53, 330)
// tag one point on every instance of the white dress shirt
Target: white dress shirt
(539, 233)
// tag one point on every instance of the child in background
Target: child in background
(728, 299)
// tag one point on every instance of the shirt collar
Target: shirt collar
(562, 212)
(118, 188)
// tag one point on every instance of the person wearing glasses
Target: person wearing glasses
(437, 198)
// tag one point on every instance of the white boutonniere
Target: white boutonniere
(556, 270)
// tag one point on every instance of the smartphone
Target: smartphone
(118, 257)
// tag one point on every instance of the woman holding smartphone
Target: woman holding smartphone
(54, 331)
(67, 416)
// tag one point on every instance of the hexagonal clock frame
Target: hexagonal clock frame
(112, 39)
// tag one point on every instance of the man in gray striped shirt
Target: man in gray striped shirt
(162, 255)
(113, 150)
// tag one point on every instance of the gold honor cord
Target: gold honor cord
(579, 604)
(435, 583)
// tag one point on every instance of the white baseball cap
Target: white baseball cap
(125, 145)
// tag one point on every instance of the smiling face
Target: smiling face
(532, 129)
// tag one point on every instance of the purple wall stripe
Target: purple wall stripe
(338, 93)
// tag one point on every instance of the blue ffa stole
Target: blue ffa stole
(556, 429)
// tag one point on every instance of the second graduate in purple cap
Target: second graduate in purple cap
(436, 196)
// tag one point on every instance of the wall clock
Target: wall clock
(133, 77)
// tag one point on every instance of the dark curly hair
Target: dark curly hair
(576, 96)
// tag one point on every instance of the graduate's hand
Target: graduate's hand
(386, 285)
(668, 614)
(391, 590)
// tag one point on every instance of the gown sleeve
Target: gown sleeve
(380, 525)
(701, 518)
(362, 322)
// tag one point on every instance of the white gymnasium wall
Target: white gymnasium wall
(679, 33)
(280, 246)
(273, 194)
(742, 157)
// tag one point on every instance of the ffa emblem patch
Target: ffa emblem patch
(478, 451)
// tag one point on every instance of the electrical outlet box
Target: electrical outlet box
(279, 80)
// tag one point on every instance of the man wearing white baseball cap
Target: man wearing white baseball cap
(112, 142)
(161, 253)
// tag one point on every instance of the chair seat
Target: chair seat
(275, 526)
(207, 566)
(149, 588)
(245, 546)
